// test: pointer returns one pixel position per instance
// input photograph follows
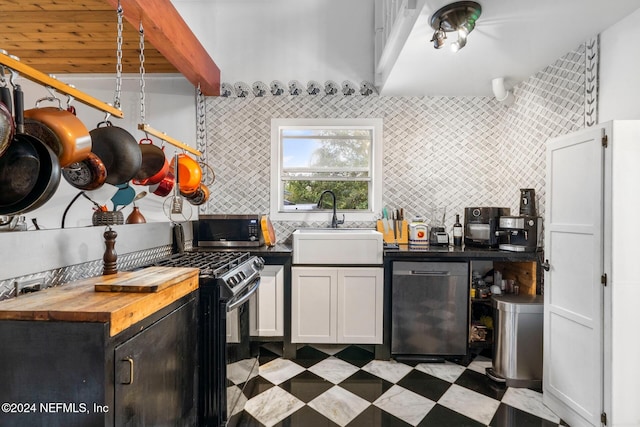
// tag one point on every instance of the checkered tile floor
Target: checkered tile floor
(345, 386)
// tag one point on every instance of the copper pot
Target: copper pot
(198, 197)
(61, 130)
(189, 173)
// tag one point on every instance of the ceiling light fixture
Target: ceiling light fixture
(459, 16)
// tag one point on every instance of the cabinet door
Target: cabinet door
(155, 373)
(360, 293)
(573, 297)
(313, 304)
(266, 311)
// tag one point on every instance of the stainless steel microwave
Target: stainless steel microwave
(227, 231)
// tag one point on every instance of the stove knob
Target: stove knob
(242, 275)
(258, 263)
(233, 281)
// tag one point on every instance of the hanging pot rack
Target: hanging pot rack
(163, 136)
(48, 81)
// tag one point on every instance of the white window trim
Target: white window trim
(276, 162)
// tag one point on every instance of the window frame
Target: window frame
(375, 197)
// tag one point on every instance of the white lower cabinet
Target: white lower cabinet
(336, 305)
(266, 306)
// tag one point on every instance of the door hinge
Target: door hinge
(605, 141)
(603, 418)
(603, 279)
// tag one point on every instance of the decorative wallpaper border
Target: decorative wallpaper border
(592, 81)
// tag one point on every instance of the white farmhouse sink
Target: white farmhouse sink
(331, 246)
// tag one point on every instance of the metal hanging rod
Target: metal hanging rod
(163, 136)
(46, 80)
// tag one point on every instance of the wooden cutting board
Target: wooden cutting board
(151, 279)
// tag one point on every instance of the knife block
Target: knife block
(387, 235)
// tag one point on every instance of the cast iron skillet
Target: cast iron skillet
(118, 150)
(29, 170)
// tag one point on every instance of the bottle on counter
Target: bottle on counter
(457, 232)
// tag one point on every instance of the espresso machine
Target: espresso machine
(522, 233)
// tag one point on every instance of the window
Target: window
(313, 155)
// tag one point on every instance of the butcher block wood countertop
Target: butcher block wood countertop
(80, 301)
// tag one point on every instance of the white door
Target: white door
(573, 293)
(314, 294)
(360, 293)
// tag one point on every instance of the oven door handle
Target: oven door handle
(245, 297)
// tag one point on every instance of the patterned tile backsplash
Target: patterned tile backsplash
(448, 152)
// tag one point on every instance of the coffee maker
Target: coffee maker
(523, 233)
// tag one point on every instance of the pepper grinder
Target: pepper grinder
(110, 256)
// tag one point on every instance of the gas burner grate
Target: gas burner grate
(210, 263)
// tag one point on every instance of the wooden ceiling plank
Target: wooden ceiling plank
(65, 16)
(166, 31)
(66, 5)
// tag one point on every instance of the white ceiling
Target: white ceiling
(265, 40)
(512, 39)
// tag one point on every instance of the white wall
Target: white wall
(284, 40)
(619, 65)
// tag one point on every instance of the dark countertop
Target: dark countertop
(404, 251)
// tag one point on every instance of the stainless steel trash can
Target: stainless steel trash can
(517, 343)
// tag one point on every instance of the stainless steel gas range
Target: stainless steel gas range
(227, 359)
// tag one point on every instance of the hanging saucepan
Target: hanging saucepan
(87, 174)
(164, 187)
(61, 130)
(29, 170)
(118, 150)
(154, 164)
(190, 174)
(200, 196)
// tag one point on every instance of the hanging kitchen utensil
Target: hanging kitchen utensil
(7, 125)
(164, 187)
(123, 197)
(29, 170)
(87, 174)
(154, 165)
(61, 130)
(189, 171)
(174, 207)
(200, 196)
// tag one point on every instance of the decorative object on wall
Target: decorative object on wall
(295, 88)
(226, 90)
(277, 88)
(502, 95)
(461, 17)
(241, 89)
(591, 84)
(313, 87)
(348, 88)
(330, 87)
(367, 88)
(259, 89)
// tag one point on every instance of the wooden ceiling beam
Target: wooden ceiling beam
(165, 29)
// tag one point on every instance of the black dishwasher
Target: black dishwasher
(429, 310)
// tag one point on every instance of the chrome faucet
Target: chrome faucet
(334, 218)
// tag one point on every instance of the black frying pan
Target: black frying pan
(118, 150)
(29, 170)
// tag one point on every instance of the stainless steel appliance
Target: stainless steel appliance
(227, 281)
(522, 233)
(517, 344)
(480, 225)
(429, 309)
(228, 231)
